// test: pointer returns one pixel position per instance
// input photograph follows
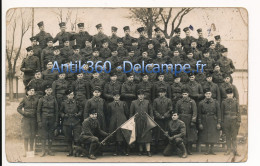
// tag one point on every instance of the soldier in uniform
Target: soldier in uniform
(147, 87)
(91, 131)
(47, 53)
(136, 48)
(201, 41)
(76, 57)
(42, 35)
(187, 111)
(162, 107)
(157, 38)
(217, 75)
(95, 57)
(71, 112)
(197, 54)
(206, 59)
(105, 52)
(176, 131)
(142, 40)
(48, 75)
(176, 58)
(190, 60)
(176, 89)
(47, 118)
(231, 120)
(131, 56)
(209, 119)
(151, 52)
(29, 65)
(113, 38)
(122, 52)
(36, 48)
(82, 36)
(97, 103)
(27, 108)
(87, 75)
(96, 81)
(175, 39)
(186, 42)
(161, 84)
(62, 34)
(127, 39)
(57, 55)
(212, 86)
(160, 59)
(87, 51)
(164, 49)
(218, 46)
(226, 85)
(121, 76)
(200, 76)
(96, 42)
(212, 51)
(141, 108)
(118, 110)
(59, 88)
(114, 59)
(37, 84)
(66, 51)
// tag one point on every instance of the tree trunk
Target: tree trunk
(11, 88)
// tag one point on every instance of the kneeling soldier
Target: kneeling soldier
(231, 121)
(176, 133)
(47, 118)
(71, 112)
(90, 133)
(27, 108)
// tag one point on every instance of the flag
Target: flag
(149, 124)
(128, 130)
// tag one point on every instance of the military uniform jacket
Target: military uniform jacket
(29, 104)
(176, 60)
(80, 86)
(230, 110)
(122, 52)
(192, 62)
(219, 47)
(81, 38)
(76, 57)
(225, 86)
(113, 41)
(148, 89)
(37, 51)
(168, 77)
(142, 42)
(165, 51)
(186, 42)
(214, 90)
(121, 76)
(159, 61)
(152, 76)
(128, 91)
(195, 90)
(137, 51)
(86, 52)
(60, 36)
(49, 77)
(96, 42)
(91, 128)
(118, 111)
(156, 41)
(47, 54)
(38, 85)
(96, 82)
(173, 42)
(105, 53)
(187, 106)
(113, 60)
(141, 107)
(176, 128)
(87, 77)
(196, 54)
(162, 84)
(30, 64)
(209, 63)
(202, 43)
(96, 103)
(110, 88)
(217, 77)
(176, 89)
(226, 65)
(162, 106)
(66, 52)
(214, 54)
(58, 59)
(59, 87)
(41, 37)
(151, 53)
(48, 107)
(71, 112)
(184, 77)
(209, 107)
(127, 40)
(200, 78)
(95, 59)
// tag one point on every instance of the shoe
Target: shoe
(149, 154)
(92, 157)
(189, 152)
(140, 153)
(126, 154)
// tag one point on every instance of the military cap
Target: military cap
(120, 40)
(162, 40)
(174, 112)
(191, 74)
(76, 47)
(92, 111)
(80, 24)
(226, 75)
(89, 39)
(56, 47)
(186, 29)
(40, 24)
(199, 30)
(48, 39)
(114, 28)
(158, 51)
(229, 90)
(64, 61)
(126, 28)
(159, 74)
(47, 86)
(130, 49)
(211, 42)
(68, 91)
(129, 74)
(134, 40)
(141, 29)
(178, 42)
(140, 92)
(144, 74)
(37, 71)
(176, 76)
(65, 39)
(205, 51)
(209, 73)
(189, 51)
(175, 49)
(205, 90)
(116, 93)
(98, 26)
(157, 29)
(95, 49)
(177, 30)
(144, 50)
(29, 87)
(112, 73)
(184, 90)
(162, 90)
(224, 50)
(150, 42)
(217, 37)
(193, 40)
(98, 88)
(29, 48)
(113, 49)
(104, 41)
(34, 38)
(62, 24)
(49, 60)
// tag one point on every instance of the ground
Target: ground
(14, 148)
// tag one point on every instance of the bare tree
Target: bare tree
(18, 25)
(153, 17)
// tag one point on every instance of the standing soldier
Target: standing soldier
(62, 34)
(113, 38)
(141, 108)
(226, 85)
(209, 119)
(212, 51)
(105, 52)
(217, 75)
(197, 54)
(99, 37)
(91, 131)
(157, 38)
(76, 57)
(151, 52)
(47, 53)
(136, 47)
(127, 39)
(42, 35)
(187, 111)
(206, 59)
(59, 88)
(213, 87)
(97, 103)
(122, 52)
(28, 108)
(176, 134)
(176, 58)
(48, 75)
(202, 42)
(87, 51)
(186, 42)
(29, 65)
(161, 84)
(142, 40)
(147, 87)
(121, 76)
(219, 46)
(57, 56)
(71, 112)
(114, 59)
(176, 89)
(128, 91)
(47, 118)
(66, 51)
(119, 111)
(82, 36)
(37, 84)
(231, 120)
(36, 48)
(96, 81)
(95, 57)
(175, 39)
(162, 107)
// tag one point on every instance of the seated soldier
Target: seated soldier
(176, 133)
(90, 132)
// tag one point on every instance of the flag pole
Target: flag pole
(116, 130)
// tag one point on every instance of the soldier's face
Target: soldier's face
(50, 43)
(217, 68)
(38, 75)
(96, 53)
(184, 95)
(163, 44)
(63, 28)
(135, 44)
(130, 78)
(116, 97)
(187, 33)
(120, 44)
(96, 93)
(158, 33)
(175, 116)
(114, 53)
(132, 53)
(209, 79)
(88, 44)
(31, 92)
(56, 52)
(161, 77)
(81, 29)
(193, 44)
(113, 32)
(192, 78)
(100, 30)
(76, 51)
(206, 55)
(85, 67)
(150, 46)
(212, 46)
(66, 43)
(227, 79)
(30, 53)
(144, 54)
(96, 75)
(41, 28)
(48, 91)
(113, 78)
(62, 76)
(142, 33)
(230, 95)
(176, 53)
(34, 42)
(159, 55)
(218, 41)
(190, 55)
(127, 32)
(49, 65)
(141, 96)
(200, 34)
(178, 45)
(177, 80)
(105, 45)
(93, 116)
(178, 34)
(80, 76)
(162, 94)
(145, 78)
(70, 96)
(208, 95)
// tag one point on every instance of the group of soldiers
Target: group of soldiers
(86, 107)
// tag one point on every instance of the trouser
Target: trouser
(174, 144)
(47, 130)
(93, 141)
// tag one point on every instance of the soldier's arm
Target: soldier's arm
(222, 110)
(42, 59)
(20, 107)
(182, 131)
(201, 94)
(23, 66)
(87, 90)
(56, 38)
(126, 110)
(194, 111)
(169, 93)
(38, 65)
(79, 110)
(86, 129)
(169, 109)
(232, 65)
(156, 113)
(101, 132)
(106, 95)
(218, 112)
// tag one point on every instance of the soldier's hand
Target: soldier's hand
(218, 126)
(201, 127)
(39, 124)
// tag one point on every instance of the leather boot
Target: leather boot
(188, 148)
(183, 149)
(70, 150)
(43, 148)
(49, 148)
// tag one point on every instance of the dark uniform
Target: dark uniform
(66, 52)
(162, 84)
(86, 52)
(127, 40)
(224, 87)
(217, 77)
(59, 88)
(226, 65)
(96, 82)
(195, 91)
(47, 54)
(42, 36)
(38, 86)
(105, 53)
(82, 91)
(81, 37)
(61, 35)
(148, 88)
(142, 40)
(187, 40)
(128, 93)
(175, 39)
(202, 43)
(113, 41)
(49, 77)
(214, 90)
(97, 39)
(110, 88)
(176, 92)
